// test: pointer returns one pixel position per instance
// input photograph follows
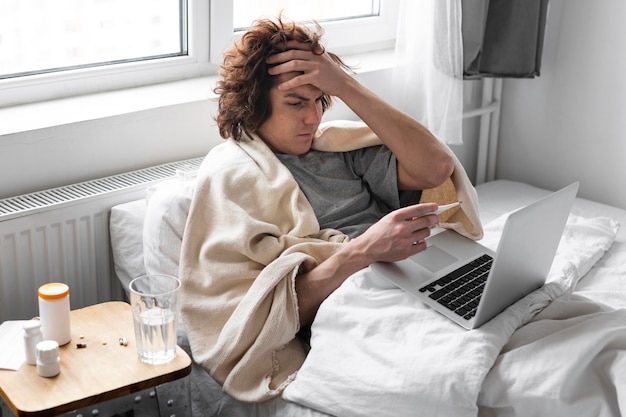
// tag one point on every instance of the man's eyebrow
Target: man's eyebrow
(300, 97)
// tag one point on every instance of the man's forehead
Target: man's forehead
(303, 93)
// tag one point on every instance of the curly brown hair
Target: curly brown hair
(243, 90)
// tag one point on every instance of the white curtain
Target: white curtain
(428, 76)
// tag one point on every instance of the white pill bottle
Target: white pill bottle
(48, 358)
(32, 336)
(54, 312)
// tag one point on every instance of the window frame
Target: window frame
(210, 33)
(352, 36)
(81, 81)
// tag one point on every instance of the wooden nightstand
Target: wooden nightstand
(102, 371)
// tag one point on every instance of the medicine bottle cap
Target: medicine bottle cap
(32, 325)
(48, 351)
(53, 291)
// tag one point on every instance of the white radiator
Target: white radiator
(62, 234)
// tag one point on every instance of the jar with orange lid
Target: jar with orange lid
(54, 312)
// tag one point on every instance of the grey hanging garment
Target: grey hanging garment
(503, 38)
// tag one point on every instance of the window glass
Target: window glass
(51, 49)
(40, 36)
(246, 11)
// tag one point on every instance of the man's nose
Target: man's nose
(313, 114)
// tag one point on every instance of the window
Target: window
(351, 26)
(43, 36)
(60, 48)
(323, 11)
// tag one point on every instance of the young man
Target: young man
(283, 213)
(298, 78)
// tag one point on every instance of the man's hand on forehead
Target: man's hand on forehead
(316, 68)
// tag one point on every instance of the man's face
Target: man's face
(296, 115)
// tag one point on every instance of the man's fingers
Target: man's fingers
(416, 211)
(289, 55)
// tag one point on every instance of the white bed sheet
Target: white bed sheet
(605, 282)
(570, 359)
(377, 351)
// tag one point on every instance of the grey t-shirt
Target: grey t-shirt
(349, 191)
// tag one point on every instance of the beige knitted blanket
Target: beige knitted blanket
(249, 233)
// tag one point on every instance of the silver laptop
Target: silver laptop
(470, 284)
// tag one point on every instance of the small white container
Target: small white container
(54, 312)
(32, 336)
(48, 358)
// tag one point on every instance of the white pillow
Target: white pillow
(126, 230)
(166, 215)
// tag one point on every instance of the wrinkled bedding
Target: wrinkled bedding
(567, 361)
(378, 351)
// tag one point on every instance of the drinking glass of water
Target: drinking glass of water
(155, 306)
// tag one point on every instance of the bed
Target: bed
(375, 350)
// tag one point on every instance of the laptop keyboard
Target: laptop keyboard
(461, 289)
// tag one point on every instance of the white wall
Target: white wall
(570, 123)
(72, 140)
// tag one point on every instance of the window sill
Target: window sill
(67, 111)
(28, 117)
